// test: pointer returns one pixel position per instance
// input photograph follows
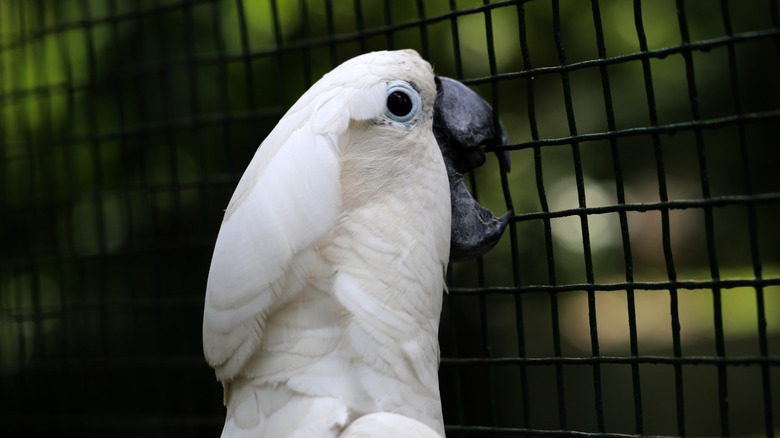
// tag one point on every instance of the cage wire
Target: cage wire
(635, 293)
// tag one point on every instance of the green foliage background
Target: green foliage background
(125, 125)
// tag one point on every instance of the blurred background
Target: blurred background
(637, 291)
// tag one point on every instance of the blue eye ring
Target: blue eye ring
(402, 103)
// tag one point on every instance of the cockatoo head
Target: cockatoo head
(405, 103)
(463, 124)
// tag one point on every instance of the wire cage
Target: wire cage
(635, 293)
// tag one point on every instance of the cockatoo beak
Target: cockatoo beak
(463, 124)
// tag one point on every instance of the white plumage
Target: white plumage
(325, 290)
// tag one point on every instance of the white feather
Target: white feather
(387, 425)
(324, 294)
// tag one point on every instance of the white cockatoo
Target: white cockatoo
(325, 290)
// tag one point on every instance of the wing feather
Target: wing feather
(294, 202)
(287, 199)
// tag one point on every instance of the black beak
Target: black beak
(463, 124)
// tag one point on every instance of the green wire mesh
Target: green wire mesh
(636, 292)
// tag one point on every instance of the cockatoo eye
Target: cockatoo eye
(403, 103)
(399, 103)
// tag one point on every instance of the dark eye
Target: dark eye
(399, 103)
(403, 103)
